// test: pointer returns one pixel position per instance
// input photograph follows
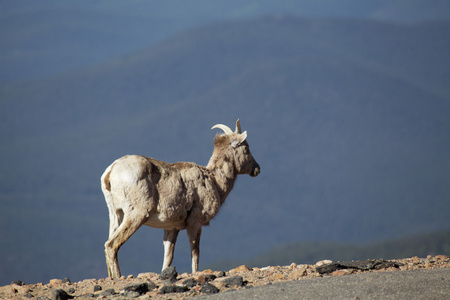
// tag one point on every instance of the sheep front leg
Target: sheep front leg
(194, 241)
(170, 238)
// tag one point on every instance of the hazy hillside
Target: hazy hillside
(47, 37)
(348, 120)
(312, 252)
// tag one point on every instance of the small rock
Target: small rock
(91, 281)
(201, 278)
(28, 295)
(385, 264)
(169, 273)
(292, 266)
(220, 284)
(135, 290)
(66, 280)
(173, 289)
(208, 288)
(97, 288)
(242, 268)
(327, 268)
(18, 282)
(108, 292)
(234, 281)
(210, 277)
(206, 278)
(190, 282)
(323, 262)
(71, 290)
(363, 265)
(61, 295)
(144, 275)
(221, 274)
(56, 281)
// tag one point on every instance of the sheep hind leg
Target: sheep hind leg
(170, 238)
(115, 219)
(126, 229)
(194, 234)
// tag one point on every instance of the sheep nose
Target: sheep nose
(255, 171)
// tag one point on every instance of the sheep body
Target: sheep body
(177, 185)
(144, 191)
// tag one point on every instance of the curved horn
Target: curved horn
(225, 128)
(238, 127)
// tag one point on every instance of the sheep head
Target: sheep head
(234, 145)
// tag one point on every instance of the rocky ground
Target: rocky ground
(171, 285)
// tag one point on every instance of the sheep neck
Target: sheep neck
(224, 174)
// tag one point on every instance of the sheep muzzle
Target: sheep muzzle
(255, 170)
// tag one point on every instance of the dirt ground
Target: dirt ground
(184, 286)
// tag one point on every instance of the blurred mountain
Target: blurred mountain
(349, 120)
(311, 252)
(47, 37)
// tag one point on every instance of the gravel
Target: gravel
(171, 285)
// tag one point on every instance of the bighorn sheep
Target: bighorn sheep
(144, 191)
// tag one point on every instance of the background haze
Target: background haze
(346, 105)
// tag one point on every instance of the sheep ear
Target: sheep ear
(239, 140)
(242, 137)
